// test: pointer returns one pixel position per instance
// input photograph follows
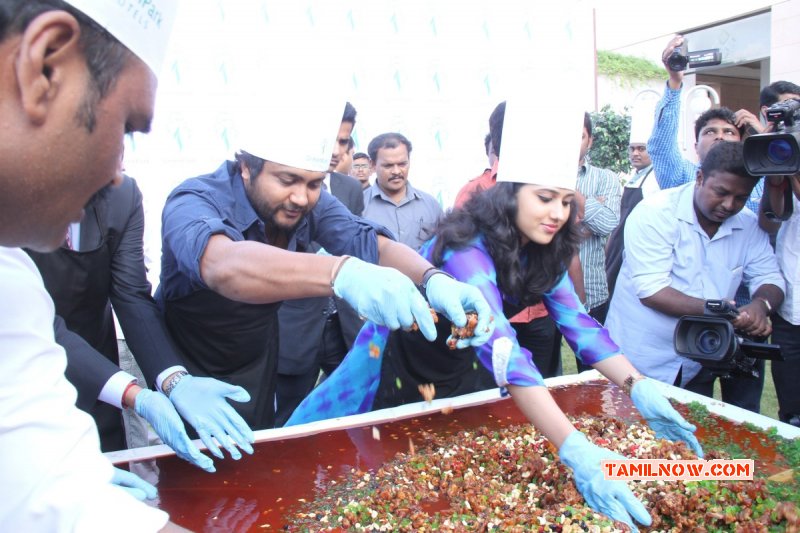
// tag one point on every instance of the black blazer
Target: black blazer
(301, 321)
(113, 219)
(348, 190)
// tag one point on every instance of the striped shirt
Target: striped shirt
(600, 219)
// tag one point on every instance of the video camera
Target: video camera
(711, 341)
(778, 152)
(681, 58)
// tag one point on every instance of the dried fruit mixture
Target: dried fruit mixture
(510, 479)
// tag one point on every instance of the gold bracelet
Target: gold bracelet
(337, 266)
(630, 381)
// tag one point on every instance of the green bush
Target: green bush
(628, 69)
(611, 132)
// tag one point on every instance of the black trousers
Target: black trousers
(786, 374)
(538, 337)
(740, 391)
(292, 389)
(599, 313)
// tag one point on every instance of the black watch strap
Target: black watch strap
(423, 286)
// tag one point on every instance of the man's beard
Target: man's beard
(268, 214)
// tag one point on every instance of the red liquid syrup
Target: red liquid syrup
(259, 492)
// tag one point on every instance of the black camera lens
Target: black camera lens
(779, 151)
(677, 62)
(708, 341)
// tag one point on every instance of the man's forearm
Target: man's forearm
(674, 303)
(403, 258)
(257, 273)
(771, 295)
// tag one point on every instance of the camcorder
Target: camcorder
(778, 152)
(680, 58)
(712, 341)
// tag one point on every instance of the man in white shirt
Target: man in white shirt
(786, 321)
(70, 90)
(684, 246)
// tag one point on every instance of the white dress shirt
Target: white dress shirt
(787, 248)
(666, 247)
(54, 477)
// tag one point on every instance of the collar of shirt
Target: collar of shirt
(638, 177)
(411, 194)
(685, 211)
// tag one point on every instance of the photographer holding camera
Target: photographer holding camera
(782, 215)
(672, 170)
(684, 246)
(714, 125)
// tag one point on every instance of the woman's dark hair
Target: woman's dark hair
(492, 213)
(105, 55)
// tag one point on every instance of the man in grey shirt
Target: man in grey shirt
(391, 201)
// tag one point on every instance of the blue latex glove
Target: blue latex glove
(156, 408)
(452, 298)
(664, 420)
(202, 402)
(383, 295)
(610, 497)
(136, 486)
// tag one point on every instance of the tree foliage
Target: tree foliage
(610, 132)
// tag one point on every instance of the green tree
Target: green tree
(610, 132)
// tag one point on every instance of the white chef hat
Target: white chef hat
(143, 26)
(544, 113)
(539, 146)
(292, 113)
(297, 130)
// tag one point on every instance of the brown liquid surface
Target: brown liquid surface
(259, 491)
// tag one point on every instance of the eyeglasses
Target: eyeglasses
(360, 166)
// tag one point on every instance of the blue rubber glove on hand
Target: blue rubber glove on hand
(202, 402)
(452, 298)
(610, 497)
(156, 408)
(664, 420)
(383, 295)
(136, 486)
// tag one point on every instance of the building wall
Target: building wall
(735, 93)
(785, 61)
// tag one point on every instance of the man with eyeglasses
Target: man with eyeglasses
(360, 169)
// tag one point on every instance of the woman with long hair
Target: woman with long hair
(514, 242)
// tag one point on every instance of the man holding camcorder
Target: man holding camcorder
(780, 208)
(684, 246)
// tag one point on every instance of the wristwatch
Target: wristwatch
(630, 381)
(423, 286)
(173, 382)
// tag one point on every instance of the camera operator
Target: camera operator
(786, 320)
(714, 125)
(672, 170)
(684, 246)
(777, 91)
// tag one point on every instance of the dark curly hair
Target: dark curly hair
(524, 273)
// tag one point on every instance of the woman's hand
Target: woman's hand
(662, 418)
(610, 497)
